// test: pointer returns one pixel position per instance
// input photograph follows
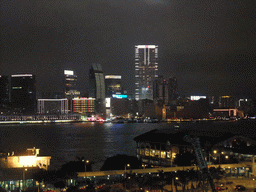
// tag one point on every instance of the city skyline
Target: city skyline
(208, 46)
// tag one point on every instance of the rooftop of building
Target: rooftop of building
(176, 137)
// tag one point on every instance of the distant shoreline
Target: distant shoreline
(80, 121)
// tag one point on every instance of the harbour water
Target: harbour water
(94, 141)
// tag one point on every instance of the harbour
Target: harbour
(94, 140)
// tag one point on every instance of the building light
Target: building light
(68, 72)
(225, 97)
(22, 75)
(146, 46)
(113, 77)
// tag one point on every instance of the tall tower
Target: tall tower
(113, 85)
(70, 84)
(173, 89)
(97, 89)
(146, 70)
(161, 92)
(96, 82)
(23, 92)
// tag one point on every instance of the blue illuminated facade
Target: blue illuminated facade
(119, 96)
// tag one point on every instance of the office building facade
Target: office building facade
(161, 90)
(96, 82)
(52, 106)
(97, 89)
(83, 105)
(146, 70)
(70, 84)
(173, 89)
(23, 92)
(4, 91)
(113, 85)
(164, 90)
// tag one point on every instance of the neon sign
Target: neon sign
(119, 96)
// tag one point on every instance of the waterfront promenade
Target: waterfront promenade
(238, 166)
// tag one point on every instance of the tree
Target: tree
(184, 159)
(216, 173)
(60, 184)
(72, 189)
(119, 162)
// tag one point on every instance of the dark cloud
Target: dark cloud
(208, 45)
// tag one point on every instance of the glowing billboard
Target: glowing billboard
(195, 98)
(113, 77)
(119, 96)
(108, 102)
(68, 72)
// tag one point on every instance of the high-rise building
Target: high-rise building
(96, 82)
(161, 90)
(146, 70)
(227, 102)
(23, 92)
(4, 91)
(173, 89)
(70, 84)
(97, 89)
(113, 85)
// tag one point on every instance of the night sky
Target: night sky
(208, 45)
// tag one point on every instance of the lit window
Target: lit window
(157, 153)
(163, 154)
(152, 152)
(147, 152)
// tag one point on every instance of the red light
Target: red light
(187, 101)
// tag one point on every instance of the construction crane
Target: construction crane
(200, 159)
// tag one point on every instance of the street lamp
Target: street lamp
(85, 162)
(23, 177)
(215, 151)
(126, 165)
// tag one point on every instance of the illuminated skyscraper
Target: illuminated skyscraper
(113, 85)
(70, 84)
(146, 70)
(23, 92)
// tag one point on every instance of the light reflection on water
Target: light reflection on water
(94, 141)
